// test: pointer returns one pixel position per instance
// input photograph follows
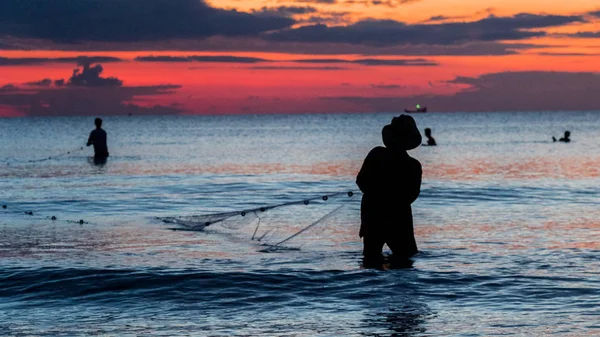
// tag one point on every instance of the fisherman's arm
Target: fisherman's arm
(367, 175)
(90, 139)
(412, 186)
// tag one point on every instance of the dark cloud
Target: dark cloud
(174, 59)
(128, 20)
(388, 3)
(374, 62)
(438, 18)
(85, 93)
(86, 101)
(90, 76)
(327, 2)
(587, 35)
(46, 82)
(285, 10)
(8, 88)
(388, 32)
(224, 59)
(506, 91)
(565, 54)
(4, 61)
(299, 68)
(327, 18)
(597, 13)
(379, 62)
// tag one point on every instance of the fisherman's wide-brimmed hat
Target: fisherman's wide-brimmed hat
(402, 133)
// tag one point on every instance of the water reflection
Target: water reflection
(98, 161)
(407, 320)
(509, 168)
(386, 263)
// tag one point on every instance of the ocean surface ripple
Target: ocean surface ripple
(507, 225)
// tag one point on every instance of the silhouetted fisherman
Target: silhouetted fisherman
(98, 139)
(390, 181)
(564, 139)
(430, 140)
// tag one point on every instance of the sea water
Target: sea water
(507, 223)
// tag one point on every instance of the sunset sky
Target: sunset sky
(302, 56)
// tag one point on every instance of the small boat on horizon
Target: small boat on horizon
(418, 109)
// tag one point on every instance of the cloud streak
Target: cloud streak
(586, 35)
(326, 2)
(222, 59)
(286, 10)
(386, 3)
(386, 86)
(27, 61)
(389, 32)
(46, 82)
(374, 62)
(235, 59)
(298, 68)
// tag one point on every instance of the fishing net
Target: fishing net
(13, 161)
(289, 225)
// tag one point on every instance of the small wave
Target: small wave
(255, 288)
(55, 284)
(509, 195)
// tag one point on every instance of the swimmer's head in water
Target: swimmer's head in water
(98, 122)
(402, 133)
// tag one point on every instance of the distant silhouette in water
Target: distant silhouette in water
(390, 181)
(565, 139)
(98, 139)
(430, 140)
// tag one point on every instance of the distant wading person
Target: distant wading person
(430, 139)
(98, 139)
(565, 139)
(390, 181)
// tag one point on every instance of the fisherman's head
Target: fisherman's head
(567, 134)
(428, 132)
(401, 134)
(98, 122)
